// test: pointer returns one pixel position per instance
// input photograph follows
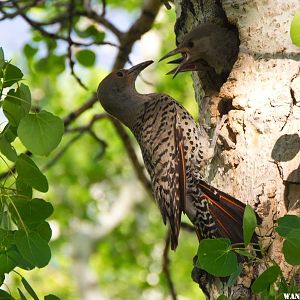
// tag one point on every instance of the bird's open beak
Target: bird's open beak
(137, 69)
(184, 62)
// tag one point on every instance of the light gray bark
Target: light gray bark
(258, 153)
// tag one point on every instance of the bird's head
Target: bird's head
(116, 92)
(193, 48)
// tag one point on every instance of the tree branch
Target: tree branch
(18, 11)
(70, 43)
(142, 25)
(37, 26)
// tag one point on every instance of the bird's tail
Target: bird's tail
(227, 213)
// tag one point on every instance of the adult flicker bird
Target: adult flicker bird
(172, 147)
(209, 48)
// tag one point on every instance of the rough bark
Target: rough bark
(258, 154)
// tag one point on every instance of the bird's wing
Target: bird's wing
(164, 158)
(227, 212)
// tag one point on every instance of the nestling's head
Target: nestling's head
(194, 46)
(117, 93)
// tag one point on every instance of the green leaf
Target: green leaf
(51, 44)
(215, 257)
(2, 278)
(5, 220)
(31, 212)
(249, 224)
(25, 96)
(2, 60)
(5, 295)
(29, 289)
(91, 32)
(44, 230)
(12, 74)
(234, 276)
(86, 57)
(22, 262)
(30, 174)
(40, 133)
(22, 296)
(51, 65)
(242, 252)
(23, 189)
(6, 238)
(7, 149)
(291, 247)
(222, 297)
(34, 249)
(7, 261)
(51, 297)
(295, 29)
(17, 104)
(265, 295)
(10, 132)
(286, 224)
(265, 279)
(29, 51)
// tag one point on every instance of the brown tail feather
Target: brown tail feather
(227, 213)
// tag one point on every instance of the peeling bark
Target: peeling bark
(257, 158)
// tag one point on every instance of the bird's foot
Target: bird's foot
(201, 277)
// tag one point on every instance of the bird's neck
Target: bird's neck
(131, 104)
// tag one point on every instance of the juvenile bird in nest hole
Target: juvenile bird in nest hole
(210, 49)
(172, 146)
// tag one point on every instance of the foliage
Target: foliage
(25, 233)
(219, 258)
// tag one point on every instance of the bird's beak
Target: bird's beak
(183, 62)
(137, 69)
(172, 53)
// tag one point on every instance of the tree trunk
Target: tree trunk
(257, 159)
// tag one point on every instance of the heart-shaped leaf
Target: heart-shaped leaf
(41, 132)
(34, 249)
(215, 257)
(287, 224)
(29, 173)
(291, 247)
(265, 279)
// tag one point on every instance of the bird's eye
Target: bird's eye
(120, 74)
(190, 44)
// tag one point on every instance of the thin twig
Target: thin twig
(56, 36)
(101, 20)
(87, 127)
(61, 152)
(142, 25)
(70, 43)
(76, 113)
(166, 266)
(103, 8)
(18, 11)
